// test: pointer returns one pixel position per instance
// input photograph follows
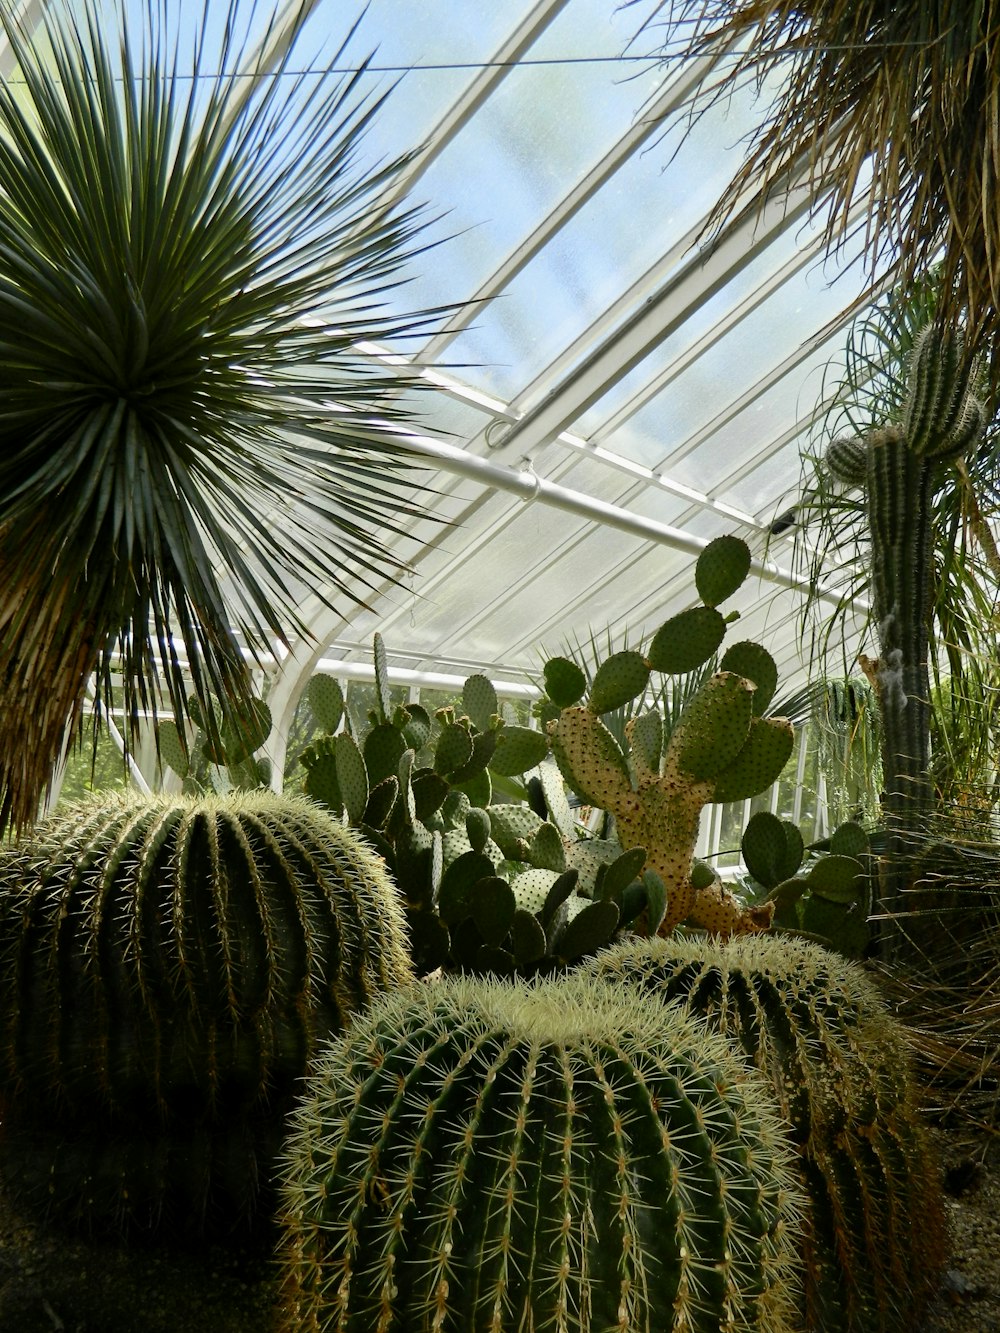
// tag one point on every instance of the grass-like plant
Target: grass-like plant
(191, 248)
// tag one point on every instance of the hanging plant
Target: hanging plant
(190, 256)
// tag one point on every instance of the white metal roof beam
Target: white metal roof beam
(494, 71)
(700, 278)
(674, 95)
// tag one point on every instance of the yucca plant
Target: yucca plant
(168, 966)
(189, 257)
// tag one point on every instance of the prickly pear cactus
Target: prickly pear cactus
(479, 1155)
(825, 890)
(721, 748)
(221, 756)
(813, 1023)
(896, 464)
(470, 870)
(167, 967)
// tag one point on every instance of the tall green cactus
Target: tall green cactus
(940, 420)
(816, 1027)
(167, 967)
(720, 749)
(480, 1155)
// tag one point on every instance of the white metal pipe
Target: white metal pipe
(530, 486)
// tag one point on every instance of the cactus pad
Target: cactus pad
(517, 750)
(565, 682)
(755, 663)
(617, 681)
(721, 569)
(766, 752)
(687, 640)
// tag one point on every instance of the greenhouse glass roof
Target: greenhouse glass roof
(613, 387)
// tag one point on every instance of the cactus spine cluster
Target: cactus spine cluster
(815, 1026)
(486, 886)
(721, 749)
(941, 419)
(480, 1155)
(167, 967)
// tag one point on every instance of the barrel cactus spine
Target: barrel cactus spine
(167, 968)
(815, 1026)
(481, 1154)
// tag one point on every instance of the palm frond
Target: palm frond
(907, 93)
(189, 258)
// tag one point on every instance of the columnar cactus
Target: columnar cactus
(167, 967)
(815, 1026)
(479, 1155)
(940, 420)
(721, 748)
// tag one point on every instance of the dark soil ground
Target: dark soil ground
(50, 1283)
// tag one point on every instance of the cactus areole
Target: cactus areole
(898, 466)
(477, 1155)
(167, 967)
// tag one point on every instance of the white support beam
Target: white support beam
(695, 282)
(675, 94)
(479, 88)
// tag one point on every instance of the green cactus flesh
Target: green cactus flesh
(815, 1026)
(617, 681)
(326, 699)
(721, 569)
(755, 663)
(477, 1155)
(167, 966)
(517, 750)
(565, 681)
(479, 699)
(687, 640)
(714, 726)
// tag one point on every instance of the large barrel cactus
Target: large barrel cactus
(167, 967)
(479, 1154)
(814, 1024)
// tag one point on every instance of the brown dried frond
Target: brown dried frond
(909, 90)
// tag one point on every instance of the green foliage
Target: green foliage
(480, 1155)
(670, 762)
(815, 1026)
(471, 872)
(825, 890)
(220, 758)
(167, 967)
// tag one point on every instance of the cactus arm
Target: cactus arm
(941, 419)
(899, 489)
(592, 762)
